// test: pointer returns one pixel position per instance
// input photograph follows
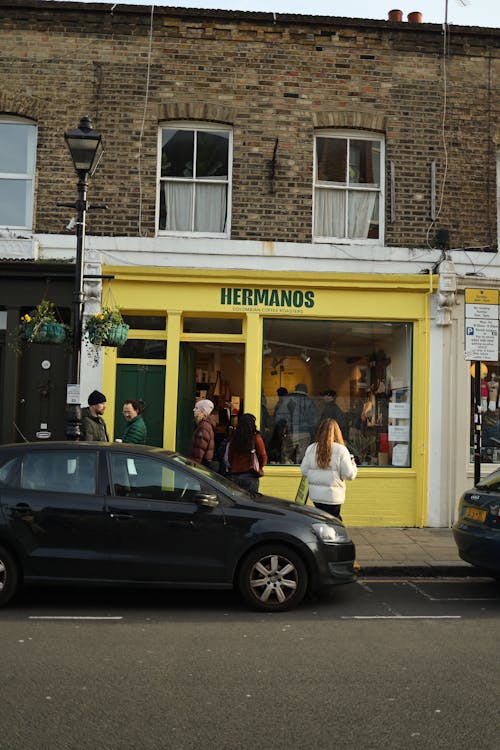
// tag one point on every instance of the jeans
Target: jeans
(246, 481)
(333, 510)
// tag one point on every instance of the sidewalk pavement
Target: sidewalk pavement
(409, 552)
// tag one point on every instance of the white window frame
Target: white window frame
(195, 126)
(28, 177)
(380, 190)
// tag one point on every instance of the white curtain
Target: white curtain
(360, 213)
(210, 208)
(209, 211)
(329, 213)
(178, 203)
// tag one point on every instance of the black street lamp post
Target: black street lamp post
(85, 147)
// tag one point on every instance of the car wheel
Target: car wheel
(273, 578)
(8, 576)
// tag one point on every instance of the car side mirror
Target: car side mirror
(206, 500)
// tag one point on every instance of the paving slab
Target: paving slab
(413, 552)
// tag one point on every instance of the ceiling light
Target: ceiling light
(327, 360)
(267, 349)
(305, 356)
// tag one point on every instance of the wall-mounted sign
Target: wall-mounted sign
(255, 300)
(73, 394)
(481, 324)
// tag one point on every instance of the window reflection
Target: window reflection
(355, 372)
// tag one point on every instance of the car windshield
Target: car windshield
(229, 486)
(491, 482)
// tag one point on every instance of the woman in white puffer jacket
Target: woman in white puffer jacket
(327, 464)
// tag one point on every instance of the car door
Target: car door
(160, 529)
(55, 513)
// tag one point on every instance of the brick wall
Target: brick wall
(268, 80)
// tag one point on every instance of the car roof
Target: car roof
(72, 444)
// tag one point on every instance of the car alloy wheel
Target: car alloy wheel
(273, 578)
(8, 576)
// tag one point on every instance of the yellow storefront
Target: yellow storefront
(237, 337)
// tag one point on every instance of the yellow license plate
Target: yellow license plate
(475, 514)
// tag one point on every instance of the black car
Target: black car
(477, 529)
(111, 513)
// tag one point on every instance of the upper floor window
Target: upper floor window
(17, 172)
(194, 185)
(348, 187)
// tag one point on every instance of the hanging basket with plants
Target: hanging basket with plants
(106, 328)
(40, 326)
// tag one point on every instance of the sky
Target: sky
(455, 12)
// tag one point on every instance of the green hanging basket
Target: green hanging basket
(115, 335)
(45, 333)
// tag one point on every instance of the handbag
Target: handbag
(254, 463)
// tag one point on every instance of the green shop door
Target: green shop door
(146, 384)
(186, 394)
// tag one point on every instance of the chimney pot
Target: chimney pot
(415, 17)
(395, 15)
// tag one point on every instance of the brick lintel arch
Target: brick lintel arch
(20, 105)
(201, 111)
(350, 120)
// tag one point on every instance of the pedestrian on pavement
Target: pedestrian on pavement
(202, 446)
(327, 464)
(93, 425)
(135, 431)
(246, 443)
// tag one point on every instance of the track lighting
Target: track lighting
(327, 360)
(267, 349)
(305, 356)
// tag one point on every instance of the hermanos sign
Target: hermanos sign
(257, 298)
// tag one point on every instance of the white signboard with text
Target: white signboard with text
(481, 324)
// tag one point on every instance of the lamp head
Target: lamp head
(85, 147)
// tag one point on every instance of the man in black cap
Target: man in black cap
(93, 425)
(333, 411)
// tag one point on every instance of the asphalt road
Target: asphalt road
(381, 664)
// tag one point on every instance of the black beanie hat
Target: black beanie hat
(96, 398)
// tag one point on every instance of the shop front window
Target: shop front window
(358, 373)
(490, 409)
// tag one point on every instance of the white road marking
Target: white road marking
(401, 617)
(450, 598)
(70, 617)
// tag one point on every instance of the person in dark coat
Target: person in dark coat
(93, 425)
(332, 410)
(135, 431)
(245, 442)
(202, 446)
(298, 410)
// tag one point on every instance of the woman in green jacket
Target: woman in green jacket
(135, 431)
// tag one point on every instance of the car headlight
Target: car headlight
(330, 534)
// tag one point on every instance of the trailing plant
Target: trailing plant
(105, 328)
(41, 325)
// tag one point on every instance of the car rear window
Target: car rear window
(491, 482)
(70, 471)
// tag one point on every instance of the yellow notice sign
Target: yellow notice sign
(481, 296)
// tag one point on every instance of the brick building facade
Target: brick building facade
(268, 79)
(358, 153)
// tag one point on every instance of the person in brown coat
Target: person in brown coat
(202, 446)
